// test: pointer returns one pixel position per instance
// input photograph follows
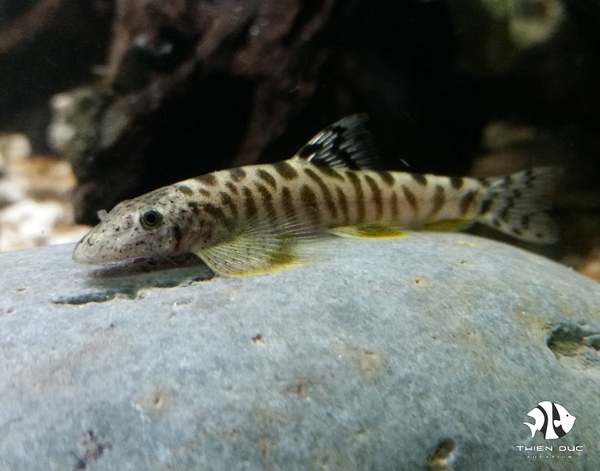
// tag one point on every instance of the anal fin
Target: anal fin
(447, 226)
(369, 231)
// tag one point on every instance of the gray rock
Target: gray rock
(415, 354)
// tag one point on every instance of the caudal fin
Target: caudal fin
(516, 204)
(532, 427)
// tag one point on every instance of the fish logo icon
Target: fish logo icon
(552, 419)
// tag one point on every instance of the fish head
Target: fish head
(147, 226)
(565, 419)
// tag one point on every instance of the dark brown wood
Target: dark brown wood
(194, 87)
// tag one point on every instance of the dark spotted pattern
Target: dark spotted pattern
(410, 197)
(288, 203)
(327, 196)
(177, 235)
(308, 197)
(186, 190)
(266, 198)
(504, 213)
(467, 201)
(227, 200)
(249, 203)
(439, 199)
(208, 179)
(237, 174)
(457, 182)
(376, 194)
(485, 206)
(194, 206)
(387, 178)
(394, 207)
(329, 171)
(286, 170)
(151, 198)
(420, 179)
(217, 213)
(343, 203)
(233, 188)
(267, 178)
(360, 195)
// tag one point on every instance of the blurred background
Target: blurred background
(103, 100)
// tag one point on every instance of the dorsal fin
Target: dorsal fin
(345, 144)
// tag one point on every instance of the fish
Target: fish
(264, 218)
(551, 419)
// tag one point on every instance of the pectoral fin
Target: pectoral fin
(263, 246)
(369, 231)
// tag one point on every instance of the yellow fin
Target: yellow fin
(454, 225)
(263, 246)
(369, 231)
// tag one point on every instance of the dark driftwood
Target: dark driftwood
(192, 87)
(46, 46)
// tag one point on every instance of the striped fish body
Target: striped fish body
(252, 220)
(331, 197)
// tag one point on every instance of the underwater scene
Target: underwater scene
(300, 235)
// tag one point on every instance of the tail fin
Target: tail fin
(532, 427)
(516, 204)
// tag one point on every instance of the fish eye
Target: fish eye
(150, 219)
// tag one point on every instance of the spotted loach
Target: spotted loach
(264, 218)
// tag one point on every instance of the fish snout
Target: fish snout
(87, 249)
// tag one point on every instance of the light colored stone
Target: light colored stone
(14, 148)
(367, 360)
(35, 204)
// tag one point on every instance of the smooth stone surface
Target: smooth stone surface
(371, 359)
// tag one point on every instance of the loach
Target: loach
(262, 218)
